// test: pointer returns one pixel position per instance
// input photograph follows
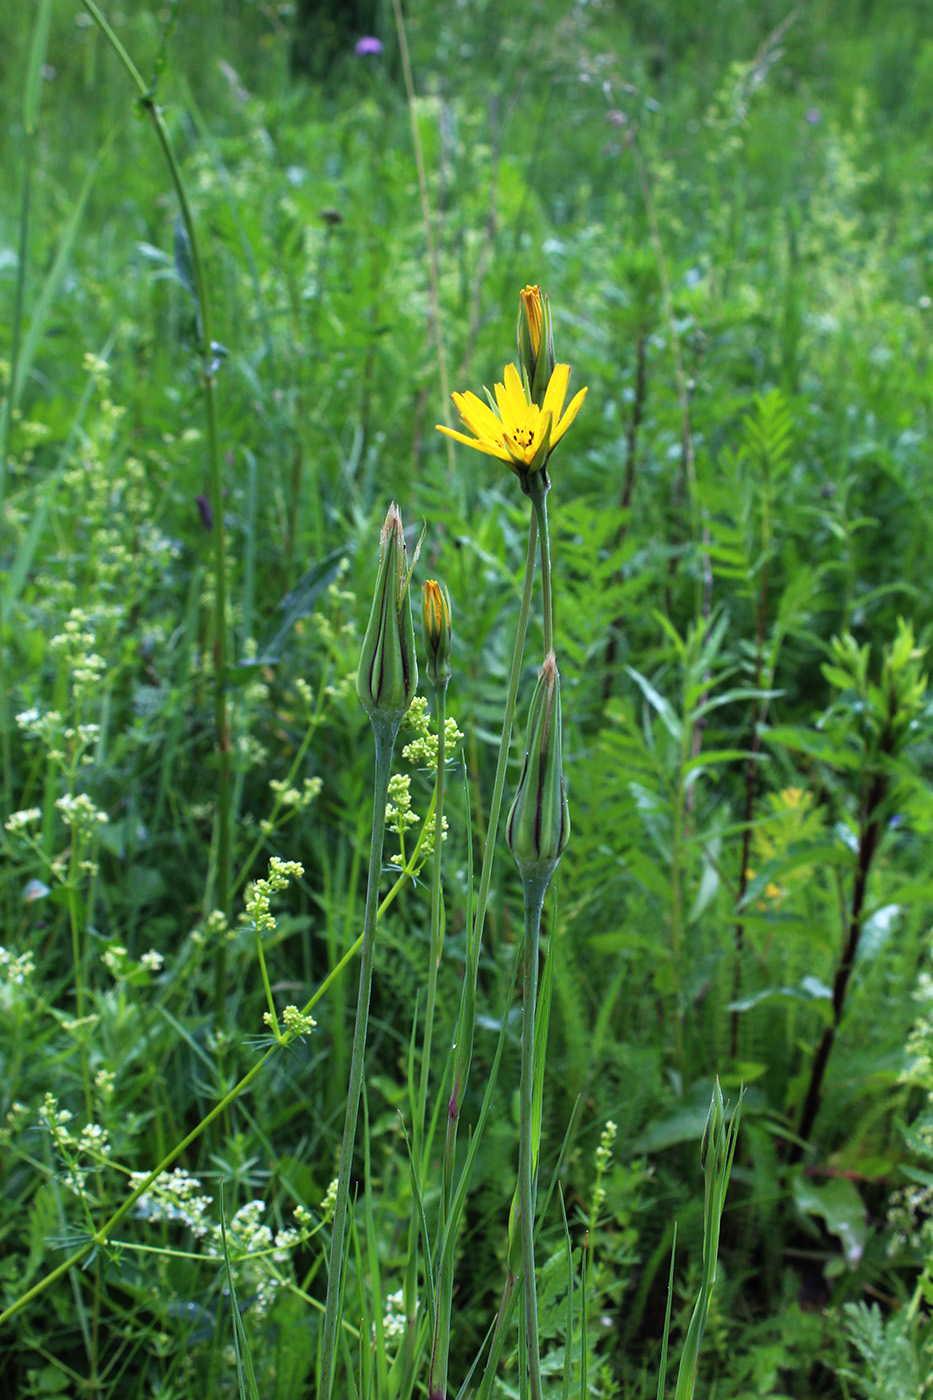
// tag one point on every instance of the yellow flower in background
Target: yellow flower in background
(519, 433)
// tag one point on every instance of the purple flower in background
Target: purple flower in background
(368, 45)
(813, 116)
(205, 512)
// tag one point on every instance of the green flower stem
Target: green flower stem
(440, 697)
(221, 718)
(534, 888)
(384, 733)
(465, 1034)
(539, 485)
(437, 1385)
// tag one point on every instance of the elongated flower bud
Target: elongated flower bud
(535, 341)
(538, 826)
(435, 626)
(388, 672)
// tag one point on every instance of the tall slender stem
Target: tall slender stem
(384, 734)
(539, 486)
(440, 694)
(465, 1035)
(534, 900)
(437, 1384)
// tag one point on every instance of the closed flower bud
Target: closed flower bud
(535, 342)
(435, 626)
(538, 826)
(388, 672)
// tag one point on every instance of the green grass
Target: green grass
(730, 219)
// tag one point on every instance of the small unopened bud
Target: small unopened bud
(538, 826)
(388, 672)
(435, 626)
(535, 342)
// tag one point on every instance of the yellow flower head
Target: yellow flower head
(518, 432)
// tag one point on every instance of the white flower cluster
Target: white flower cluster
(15, 968)
(250, 752)
(422, 750)
(296, 1023)
(330, 1200)
(603, 1158)
(259, 893)
(118, 961)
(76, 643)
(256, 1253)
(298, 798)
(56, 1119)
(399, 816)
(18, 821)
(215, 927)
(43, 725)
(93, 1141)
(174, 1195)
(394, 1320)
(80, 813)
(427, 841)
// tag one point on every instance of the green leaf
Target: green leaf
(838, 1204)
(662, 708)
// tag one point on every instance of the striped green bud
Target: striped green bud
(388, 672)
(435, 627)
(538, 826)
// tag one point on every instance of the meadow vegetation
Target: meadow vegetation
(235, 303)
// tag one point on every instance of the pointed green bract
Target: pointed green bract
(538, 826)
(388, 672)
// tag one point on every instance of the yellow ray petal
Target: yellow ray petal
(478, 416)
(557, 390)
(572, 411)
(506, 408)
(515, 390)
(492, 449)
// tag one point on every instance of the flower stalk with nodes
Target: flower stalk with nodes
(520, 424)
